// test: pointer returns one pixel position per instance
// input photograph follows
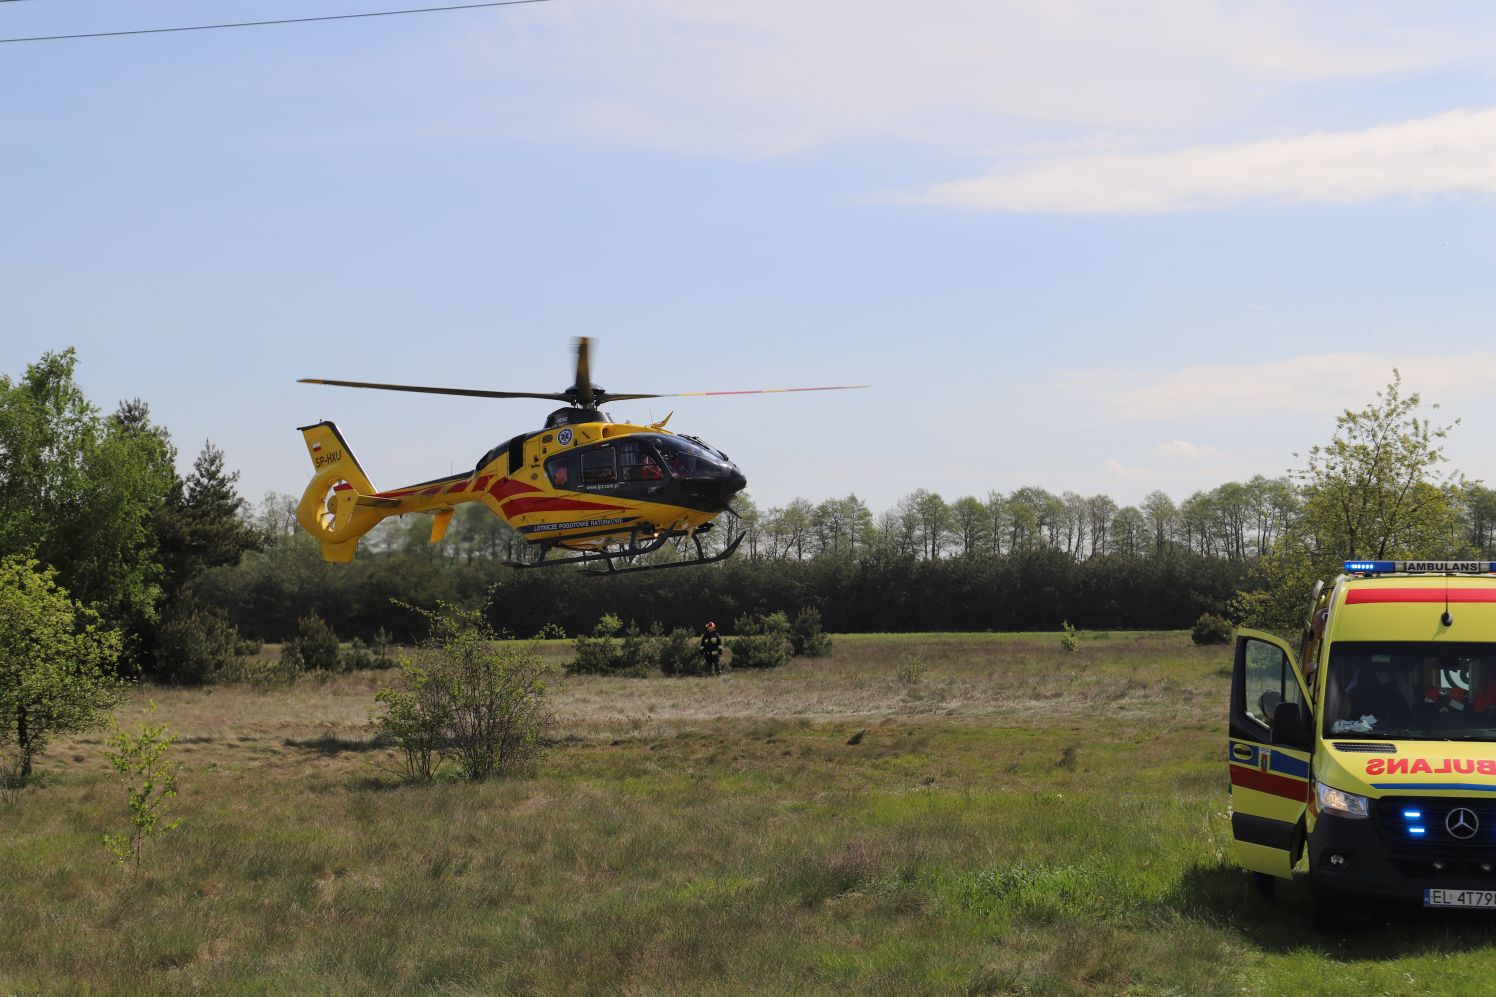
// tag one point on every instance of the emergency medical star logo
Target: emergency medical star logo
(1462, 823)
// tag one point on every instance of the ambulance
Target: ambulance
(1373, 751)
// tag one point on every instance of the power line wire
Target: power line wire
(256, 24)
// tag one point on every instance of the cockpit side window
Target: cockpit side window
(598, 466)
(637, 461)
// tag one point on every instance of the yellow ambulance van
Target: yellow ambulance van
(1374, 750)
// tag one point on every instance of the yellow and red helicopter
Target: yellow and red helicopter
(602, 491)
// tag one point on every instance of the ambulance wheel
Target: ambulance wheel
(1264, 886)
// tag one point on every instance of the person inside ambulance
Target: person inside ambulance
(1373, 690)
(1483, 686)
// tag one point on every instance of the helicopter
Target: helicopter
(599, 493)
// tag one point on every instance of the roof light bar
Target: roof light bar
(1421, 567)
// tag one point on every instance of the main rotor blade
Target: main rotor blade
(583, 384)
(752, 391)
(470, 392)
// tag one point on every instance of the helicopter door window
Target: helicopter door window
(560, 471)
(598, 467)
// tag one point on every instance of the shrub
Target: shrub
(761, 642)
(314, 648)
(361, 657)
(1068, 638)
(416, 718)
(806, 635)
(551, 631)
(636, 653)
(911, 669)
(607, 653)
(470, 697)
(1212, 629)
(596, 654)
(677, 652)
(196, 645)
(150, 782)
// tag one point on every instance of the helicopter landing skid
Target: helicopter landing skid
(630, 551)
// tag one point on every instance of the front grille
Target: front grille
(1398, 818)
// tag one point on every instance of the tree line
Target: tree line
(182, 565)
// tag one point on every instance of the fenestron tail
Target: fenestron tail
(339, 504)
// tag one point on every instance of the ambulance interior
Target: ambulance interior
(1420, 691)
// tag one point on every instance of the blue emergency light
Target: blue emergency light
(1421, 567)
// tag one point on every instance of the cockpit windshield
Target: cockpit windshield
(1420, 691)
(686, 457)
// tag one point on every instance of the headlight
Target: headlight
(1339, 803)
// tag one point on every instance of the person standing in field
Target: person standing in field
(711, 650)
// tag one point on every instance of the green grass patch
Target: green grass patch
(1016, 820)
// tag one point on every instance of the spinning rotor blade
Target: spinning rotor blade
(751, 391)
(470, 392)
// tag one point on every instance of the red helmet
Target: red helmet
(711, 626)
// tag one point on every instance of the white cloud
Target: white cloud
(1306, 384)
(1121, 470)
(760, 77)
(1447, 154)
(1183, 449)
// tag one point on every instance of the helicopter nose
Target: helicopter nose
(719, 488)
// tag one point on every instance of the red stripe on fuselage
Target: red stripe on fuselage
(1372, 595)
(1266, 782)
(505, 487)
(520, 506)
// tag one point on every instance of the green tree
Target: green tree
(1375, 491)
(56, 664)
(1480, 508)
(969, 517)
(206, 526)
(80, 492)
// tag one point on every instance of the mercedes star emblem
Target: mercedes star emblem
(1462, 823)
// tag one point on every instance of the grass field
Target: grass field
(917, 813)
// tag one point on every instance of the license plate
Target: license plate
(1459, 898)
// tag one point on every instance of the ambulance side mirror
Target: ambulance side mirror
(1289, 728)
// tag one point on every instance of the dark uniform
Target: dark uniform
(711, 651)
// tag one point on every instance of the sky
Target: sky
(1090, 247)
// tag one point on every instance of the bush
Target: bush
(196, 645)
(806, 635)
(606, 653)
(314, 648)
(677, 652)
(636, 653)
(150, 781)
(469, 697)
(1212, 629)
(1068, 639)
(596, 654)
(361, 657)
(761, 642)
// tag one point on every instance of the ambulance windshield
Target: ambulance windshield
(1428, 691)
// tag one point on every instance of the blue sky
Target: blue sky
(1068, 246)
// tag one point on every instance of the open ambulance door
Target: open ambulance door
(1271, 734)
